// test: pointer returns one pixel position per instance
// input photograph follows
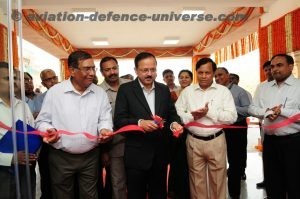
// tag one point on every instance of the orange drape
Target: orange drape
(280, 36)
(64, 68)
(4, 46)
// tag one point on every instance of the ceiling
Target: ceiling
(137, 34)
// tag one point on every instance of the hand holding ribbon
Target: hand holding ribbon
(51, 136)
(104, 136)
(177, 129)
(275, 112)
(159, 121)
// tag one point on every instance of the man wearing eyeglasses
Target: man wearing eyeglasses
(78, 106)
(146, 154)
(49, 79)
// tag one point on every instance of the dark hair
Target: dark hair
(106, 59)
(25, 73)
(289, 59)
(186, 71)
(267, 63)
(3, 64)
(205, 61)
(235, 76)
(127, 76)
(224, 69)
(77, 56)
(167, 71)
(141, 56)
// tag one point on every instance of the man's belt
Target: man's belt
(206, 138)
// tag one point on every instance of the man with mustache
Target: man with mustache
(210, 104)
(146, 153)
(75, 105)
(276, 101)
(8, 185)
(110, 70)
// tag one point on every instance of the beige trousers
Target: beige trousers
(207, 167)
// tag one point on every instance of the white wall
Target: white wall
(35, 60)
(247, 67)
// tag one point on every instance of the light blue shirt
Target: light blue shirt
(30, 103)
(64, 108)
(270, 94)
(38, 101)
(241, 100)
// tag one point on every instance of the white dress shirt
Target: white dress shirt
(220, 104)
(5, 117)
(150, 96)
(64, 108)
(269, 94)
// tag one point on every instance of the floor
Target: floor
(254, 167)
(254, 175)
(253, 170)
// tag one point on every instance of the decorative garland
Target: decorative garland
(59, 40)
(241, 47)
(132, 52)
(227, 26)
(46, 30)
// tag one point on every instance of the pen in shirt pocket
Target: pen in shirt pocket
(284, 102)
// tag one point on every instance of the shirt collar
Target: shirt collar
(289, 81)
(16, 101)
(229, 86)
(107, 87)
(70, 88)
(143, 87)
(197, 86)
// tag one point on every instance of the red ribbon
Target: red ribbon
(87, 135)
(160, 122)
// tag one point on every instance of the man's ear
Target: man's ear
(43, 83)
(71, 71)
(291, 67)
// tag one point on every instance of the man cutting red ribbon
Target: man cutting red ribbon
(146, 154)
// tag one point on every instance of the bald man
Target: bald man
(49, 79)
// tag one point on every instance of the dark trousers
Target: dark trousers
(8, 182)
(178, 184)
(143, 183)
(104, 186)
(281, 156)
(236, 140)
(44, 172)
(66, 167)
